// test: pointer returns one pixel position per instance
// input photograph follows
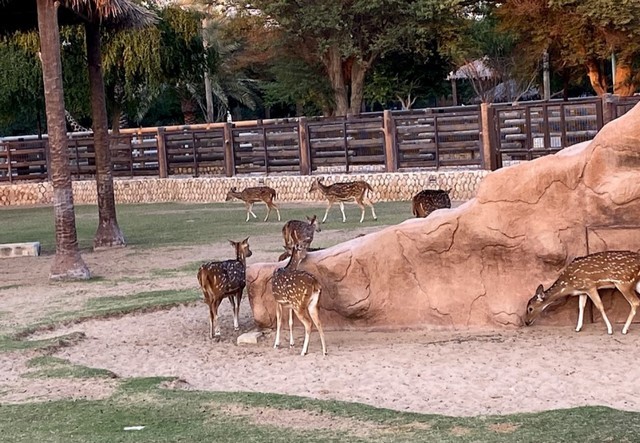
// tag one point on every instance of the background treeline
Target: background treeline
(214, 60)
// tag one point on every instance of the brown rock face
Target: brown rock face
(478, 264)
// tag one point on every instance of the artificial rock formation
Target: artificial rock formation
(478, 264)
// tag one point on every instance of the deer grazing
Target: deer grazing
(583, 277)
(299, 291)
(343, 192)
(221, 279)
(428, 200)
(252, 195)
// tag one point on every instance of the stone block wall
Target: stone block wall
(397, 186)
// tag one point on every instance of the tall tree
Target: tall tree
(348, 37)
(580, 33)
(67, 263)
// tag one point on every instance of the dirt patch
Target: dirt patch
(504, 428)
(299, 419)
(460, 431)
(459, 373)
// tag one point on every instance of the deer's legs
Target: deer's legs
(597, 301)
(359, 203)
(214, 326)
(313, 311)
(278, 323)
(329, 204)
(628, 293)
(344, 217)
(235, 301)
(304, 317)
(373, 211)
(582, 301)
(270, 206)
(291, 341)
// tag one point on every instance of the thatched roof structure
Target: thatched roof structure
(21, 15)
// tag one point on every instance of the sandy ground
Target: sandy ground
(446, 372)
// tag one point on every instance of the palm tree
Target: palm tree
(16, 15)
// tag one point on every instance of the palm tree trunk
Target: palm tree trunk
(67, 263)
(108, 233)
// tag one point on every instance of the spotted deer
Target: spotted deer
(221, 279)
(287, 252)
(344, 192)
(583, 277)
(252, 195)
(298, 231)
(428, 200)
(299, 291)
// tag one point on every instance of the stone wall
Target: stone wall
(399, 186)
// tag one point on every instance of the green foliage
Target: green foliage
(574, 31)
(21, 91)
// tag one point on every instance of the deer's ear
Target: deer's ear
(232, 242)
(246, 240)
(540, 292)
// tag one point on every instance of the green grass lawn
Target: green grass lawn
(192, 416)
(169, 224)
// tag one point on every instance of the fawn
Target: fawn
(252, 195)
(221, 279)
(583, 277)
(300, 292)
(297, 231)
(428, 200)
(342, 192)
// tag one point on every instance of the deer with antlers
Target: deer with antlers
(299, 291)
(428, 200)
(343, 192)
(224, 279)
(583, 277)
(253, 195)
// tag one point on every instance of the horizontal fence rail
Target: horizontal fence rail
(433, 138)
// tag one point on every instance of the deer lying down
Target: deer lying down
(224, 279)
(583, 277)
(252, 195)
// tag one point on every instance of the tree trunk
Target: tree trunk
(358, 73)
(108, 233)
(67, 263)
(596, 77)
(625, 86)
(189, 106)
(333, 63)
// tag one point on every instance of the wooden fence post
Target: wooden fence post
(489, 157)
(229, 160)
(390, 142)
(609, 108)
(303, 144)
(163, 169)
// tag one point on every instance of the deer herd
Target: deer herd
(300, 291)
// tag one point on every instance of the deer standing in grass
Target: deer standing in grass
(428, 200)
(299, 291)
(583, 277)
(253, 195)
(344, 192)
(221, 279)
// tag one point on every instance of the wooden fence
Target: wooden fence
(487, 136)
